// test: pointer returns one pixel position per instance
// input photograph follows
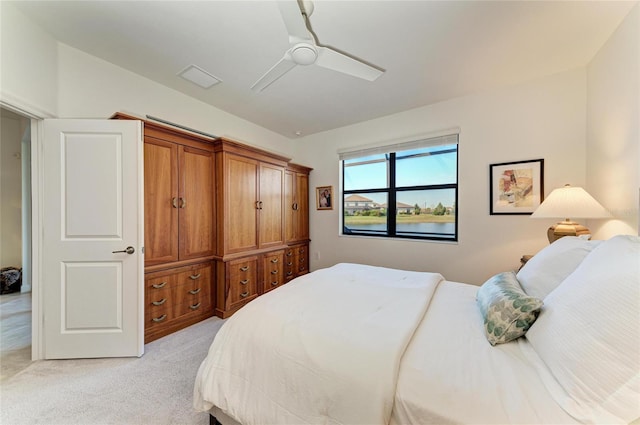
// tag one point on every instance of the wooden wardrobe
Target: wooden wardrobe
(263, 223)
(224, 223)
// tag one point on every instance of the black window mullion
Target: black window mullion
(427, 187)
(391, 210)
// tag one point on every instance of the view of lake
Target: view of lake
(440, 228)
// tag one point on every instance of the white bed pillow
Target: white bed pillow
(549, 267)
(588, 334)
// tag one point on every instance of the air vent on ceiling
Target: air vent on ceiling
(199, 76)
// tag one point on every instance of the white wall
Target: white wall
(540, 119)
(93, 88)
(12, 127)
(28, 76)
(613, 129)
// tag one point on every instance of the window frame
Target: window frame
(392, 190)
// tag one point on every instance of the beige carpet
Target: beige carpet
(154, 389)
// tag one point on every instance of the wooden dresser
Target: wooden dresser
(224, 223)
(263, 223)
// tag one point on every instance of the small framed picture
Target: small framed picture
(324, 197)
(516, 187)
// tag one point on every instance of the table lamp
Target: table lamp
(565, 202)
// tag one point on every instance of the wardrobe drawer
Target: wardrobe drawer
(289, 266)
(301, 259)
(192, 294)
(273, 270)
(175, 296)
(243, 284)
(158, 299)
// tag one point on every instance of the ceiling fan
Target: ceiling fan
(304, 50)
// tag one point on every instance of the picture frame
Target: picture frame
(516, 188)
(324, 198)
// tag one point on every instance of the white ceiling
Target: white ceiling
(431, 50)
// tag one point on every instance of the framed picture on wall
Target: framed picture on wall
(516, 187)
(324, 197)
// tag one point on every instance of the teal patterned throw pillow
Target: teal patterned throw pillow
(507, 311)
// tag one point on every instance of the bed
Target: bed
(556, 343)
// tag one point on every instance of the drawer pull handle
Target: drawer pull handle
(302, 260)
(289, 273)
(301, 250)
(183, 203)
(195, 291)
(174, 202)
(159, 285)
(274, 283)
(274, 261)
(162, 301)
(195, 276)
(159, 319)
(244, 282)
(289, 263)
(244, 268)
(195, 306)
(274, 271)
(289, 254)
(244, 294)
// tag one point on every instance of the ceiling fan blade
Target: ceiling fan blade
(278, 70)
(294, 21)
(332, 59)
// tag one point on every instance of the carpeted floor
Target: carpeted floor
(154, 389)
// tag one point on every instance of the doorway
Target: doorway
(15, 240)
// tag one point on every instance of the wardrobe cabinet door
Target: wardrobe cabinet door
(302, 207)
(270, 206)
(290, 213)
(296, 206)
(160, 201)
(195, 203)
(240, 204)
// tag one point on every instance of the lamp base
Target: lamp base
(566, 228)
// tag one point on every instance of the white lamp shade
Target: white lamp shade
(570, 202)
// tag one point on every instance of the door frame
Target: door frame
(36, 115)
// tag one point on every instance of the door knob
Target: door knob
(128, 250)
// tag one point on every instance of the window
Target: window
(407, 190)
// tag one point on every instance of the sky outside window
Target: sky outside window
(426, 166)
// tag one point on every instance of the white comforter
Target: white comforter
(450, 374)
(301, 355)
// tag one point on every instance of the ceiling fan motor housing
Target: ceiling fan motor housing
(304, 54)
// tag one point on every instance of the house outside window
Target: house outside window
(405, 190)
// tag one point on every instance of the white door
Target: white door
(93, 289)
